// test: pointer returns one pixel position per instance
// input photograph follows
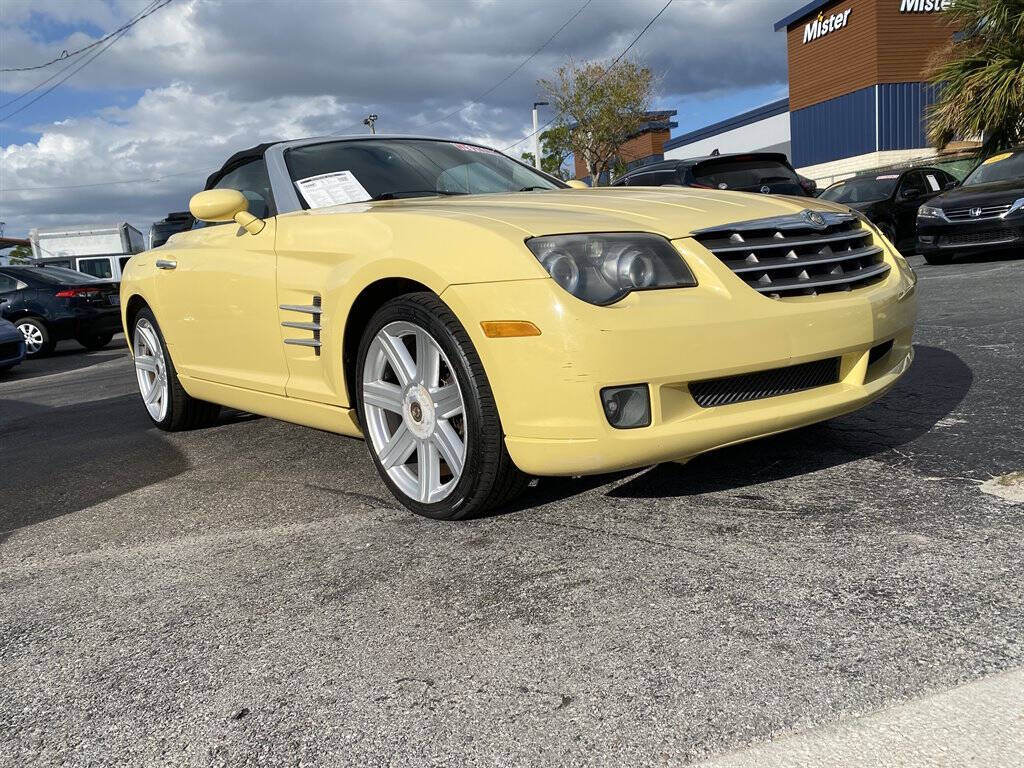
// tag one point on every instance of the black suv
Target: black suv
(49, 304)
(986, 213)
(766, 172)
(890, 199)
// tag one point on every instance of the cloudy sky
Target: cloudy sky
(199, 79)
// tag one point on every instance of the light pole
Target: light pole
(369, 121)
(536, 138)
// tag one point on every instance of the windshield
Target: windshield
(1008, 165)
(865, 189)
(741, 174)
(382, 169)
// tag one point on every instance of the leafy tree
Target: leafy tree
(981, 76)
(555, 150)
(20, 254)
(599, 107)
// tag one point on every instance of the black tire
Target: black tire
(938, 258)
(489, 477)
(183, 411)
(96, 341)
(47, 344)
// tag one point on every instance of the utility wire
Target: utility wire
(59, 72)
(67, 55)
(493, 88)
(67, 77)
(603, 74)
(155, 178)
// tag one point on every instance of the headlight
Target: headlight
(928, 212)
(1017, 208)
(603, 268)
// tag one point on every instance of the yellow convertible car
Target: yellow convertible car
(479, 322)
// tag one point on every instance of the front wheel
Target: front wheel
(169, 406)
(95, 341)
(428, 413)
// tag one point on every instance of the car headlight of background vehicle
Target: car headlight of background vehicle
(930, 212)
(603, 268)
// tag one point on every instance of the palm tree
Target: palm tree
(981, 76)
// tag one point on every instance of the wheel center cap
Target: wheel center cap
(418, 411)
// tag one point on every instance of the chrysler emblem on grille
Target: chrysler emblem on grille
(975, 212)
(815, 219)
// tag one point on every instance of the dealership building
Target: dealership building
(857, 90)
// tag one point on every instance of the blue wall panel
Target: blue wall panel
(837, 128)
(901, 107)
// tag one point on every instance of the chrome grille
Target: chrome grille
(968, 214)
(799, 255)
(761, 384)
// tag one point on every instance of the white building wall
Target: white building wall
(837, 170)
(768, 135)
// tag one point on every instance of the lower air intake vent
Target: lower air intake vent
(762, 384)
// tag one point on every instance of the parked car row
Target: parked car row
(48, 304)
(923, 209)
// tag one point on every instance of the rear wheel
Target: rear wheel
(169, 406)
(428, 413)
(38, 342)
(95, 341)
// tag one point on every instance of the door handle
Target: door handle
(166, 264)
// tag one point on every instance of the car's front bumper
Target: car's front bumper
(12, 349)
(547, 387)
(963, 238)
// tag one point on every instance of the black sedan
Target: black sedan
(49, 304)
(766, 172)
(890, 199)
(985, 214)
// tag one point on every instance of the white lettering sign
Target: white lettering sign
(822, 25)
(924, 6)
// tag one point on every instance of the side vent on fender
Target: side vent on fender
(313, 324)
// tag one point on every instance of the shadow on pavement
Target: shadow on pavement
(936, 383)
(60, 460)
(69, 356)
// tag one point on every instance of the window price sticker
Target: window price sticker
(336, 188)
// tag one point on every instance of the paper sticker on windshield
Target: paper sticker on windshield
(335, 188)
(997, 158)
(471, 148)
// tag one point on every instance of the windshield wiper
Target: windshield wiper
(395, 194)
(531, 189)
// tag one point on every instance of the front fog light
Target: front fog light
(627, 407)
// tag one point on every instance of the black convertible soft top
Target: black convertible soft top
(237, 159)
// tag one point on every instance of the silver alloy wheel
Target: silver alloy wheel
(151, 370)
(414, 412)
(33, 337)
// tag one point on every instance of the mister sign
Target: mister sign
(822, 25)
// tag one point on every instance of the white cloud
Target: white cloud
(224, 75)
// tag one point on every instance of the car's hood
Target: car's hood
(670, 211)
(993, 193)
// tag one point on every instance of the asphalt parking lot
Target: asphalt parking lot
(250, 594)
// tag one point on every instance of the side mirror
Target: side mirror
(220, 205)
(952, 184)
(577, 184)
(911, 194)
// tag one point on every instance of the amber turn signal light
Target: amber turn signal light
(504, 329)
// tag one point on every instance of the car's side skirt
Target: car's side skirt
(331, 418)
